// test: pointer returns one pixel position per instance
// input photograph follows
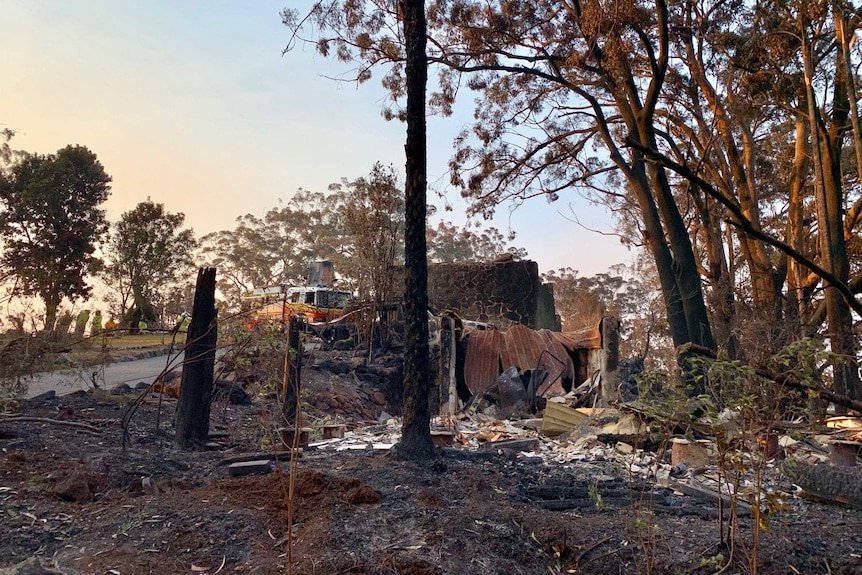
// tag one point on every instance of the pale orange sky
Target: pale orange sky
(192, 104)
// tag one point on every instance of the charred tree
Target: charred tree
(415, 441)
(193, 408)
(292, 371)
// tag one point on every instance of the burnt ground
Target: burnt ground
(73, 498)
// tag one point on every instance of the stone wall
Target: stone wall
(504, 293)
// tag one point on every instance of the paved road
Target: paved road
(112, 375)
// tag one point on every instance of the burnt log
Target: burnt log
(193, 407)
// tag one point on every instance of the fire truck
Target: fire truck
(316, 304)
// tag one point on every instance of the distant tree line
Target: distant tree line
(57, 243)
(357, 224)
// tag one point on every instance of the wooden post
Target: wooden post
(610, 378)
(453, 361)
(448, 359)
(293, 369)
(193, 408)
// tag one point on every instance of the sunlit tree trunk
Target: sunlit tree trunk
(844, 40)
(826, 153)
(739, 184)
(664, 229)
(796, 274)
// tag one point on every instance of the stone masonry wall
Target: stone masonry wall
(504, 293)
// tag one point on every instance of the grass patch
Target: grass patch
(138, 341)
(96, 350)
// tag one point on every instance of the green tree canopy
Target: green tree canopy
(147, 254)
(51, 224)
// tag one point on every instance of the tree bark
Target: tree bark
(610, 383)
(415, 441)
(664, 229)
(684, 263)
(52, 304)
(292, 371)
(193, 408)
(829, 199)
(795, 226)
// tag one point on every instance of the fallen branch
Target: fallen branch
(76, 425)
(785, 380)
(588, 549)
(703, 493)
(840, 485)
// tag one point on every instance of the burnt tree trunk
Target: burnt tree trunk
(415, 441)
(193, 408)
(610, 387)
(292, 371)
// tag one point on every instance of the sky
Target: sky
(193, 105)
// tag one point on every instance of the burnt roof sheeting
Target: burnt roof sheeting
(522, 347)
(482, 363)
(590, 338)
(557, 362)
(564, 340)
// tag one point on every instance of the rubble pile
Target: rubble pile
(352, 390)
(357, 396)
(349, 402)
(798, 463)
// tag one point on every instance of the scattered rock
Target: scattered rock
(383, 417)
(335, 366)
(121, 389)
(378, 398)
(233, 390)
(363, 495)
(76, 488)
(257, 467)
(343, 345)
(517, 445)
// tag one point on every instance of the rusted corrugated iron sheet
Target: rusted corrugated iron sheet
(557, 362)
(564, 340)
(523, 346)
(482, 363)
(490, 352)
(590, 338)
